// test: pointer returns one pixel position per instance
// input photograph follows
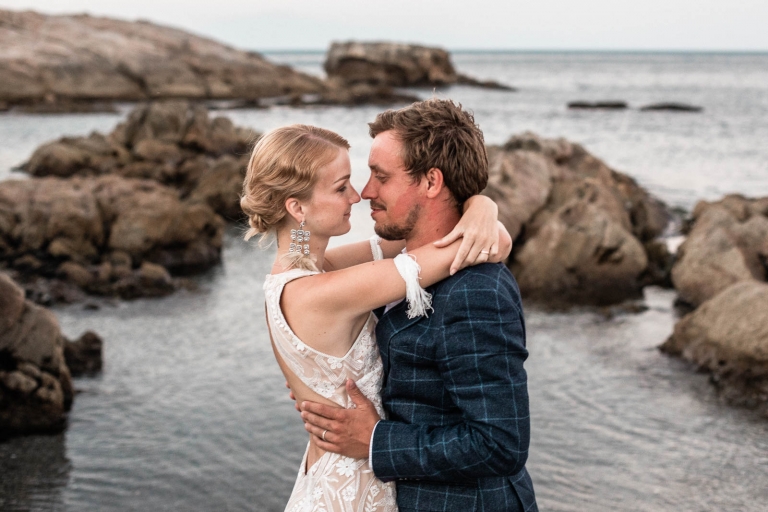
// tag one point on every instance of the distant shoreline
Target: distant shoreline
(465, 51)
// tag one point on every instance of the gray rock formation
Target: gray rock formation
(174, 143)
(581, 228)
(105, 235)
(728, 337)
(727, 243)
(35, 383)
(598, 105)
(395, 65)
(70, 59)
(84, 355)
(671, 107)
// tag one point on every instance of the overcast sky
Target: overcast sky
(467, 24)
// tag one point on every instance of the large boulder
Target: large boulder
(582, 230)
(394, 65)
(172, 142)
(35, 384)
(727, 243)
(100, 233)
(60, 59)
(728, 336)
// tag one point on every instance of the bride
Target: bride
(298, 189)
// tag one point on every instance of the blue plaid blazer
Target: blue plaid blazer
(456, 396)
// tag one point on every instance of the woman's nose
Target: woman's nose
(355, 196)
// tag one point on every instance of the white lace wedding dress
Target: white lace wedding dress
(334, 482)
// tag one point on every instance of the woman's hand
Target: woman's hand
(484, 239)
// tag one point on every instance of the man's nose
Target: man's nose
(367, 192)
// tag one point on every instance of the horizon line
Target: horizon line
(542, 50)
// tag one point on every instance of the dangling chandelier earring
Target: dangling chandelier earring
(299, 240)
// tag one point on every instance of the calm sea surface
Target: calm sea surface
(190, 412)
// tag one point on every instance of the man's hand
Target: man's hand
(347, 431)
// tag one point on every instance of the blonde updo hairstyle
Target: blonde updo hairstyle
(284, 164)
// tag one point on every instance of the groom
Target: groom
(455, 391)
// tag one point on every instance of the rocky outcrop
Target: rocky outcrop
(105, 235)
(341, 93)
(671, 107)
(35, 384)
(84, 355)
(720, 273)
(74, 59)
(598, 105)
(395, 65)
(582, 229)
(174, 143)
(728, 337)
(727, 243)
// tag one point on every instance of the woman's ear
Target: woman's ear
(435, 182)
(294, 209)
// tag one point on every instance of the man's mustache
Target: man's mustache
(377, 206)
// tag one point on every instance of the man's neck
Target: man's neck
(432, 226)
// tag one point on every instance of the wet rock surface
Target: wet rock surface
(581, 229)
(35, 384)
(727, 243)
(56, 61)
(728, 336)
(395, 65)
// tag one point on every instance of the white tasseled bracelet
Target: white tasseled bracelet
(378, 254)
(418, 299)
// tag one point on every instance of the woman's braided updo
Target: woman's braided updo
(284, 164)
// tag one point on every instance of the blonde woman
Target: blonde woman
(298, 189)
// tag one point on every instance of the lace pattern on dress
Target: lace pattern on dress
(323, 373)
(334, 482)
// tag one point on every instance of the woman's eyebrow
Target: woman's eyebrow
(343, 178)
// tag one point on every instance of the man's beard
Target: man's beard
(401, 232)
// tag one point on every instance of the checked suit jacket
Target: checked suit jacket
(456, 397)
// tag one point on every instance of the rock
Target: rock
(727, 243)
(57, 61)
(671, 107)
(581, 229)
(340, 93)
(520, 183)
(84, 355)
(35, 383)
(220, 186)
(598, 105)
(728, 336)
(76, 274)
(394, 65)
(483, 84)
(101, 233)
(172, 142)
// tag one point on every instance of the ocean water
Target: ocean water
(190, 412)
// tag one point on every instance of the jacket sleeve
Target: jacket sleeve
(481, 353)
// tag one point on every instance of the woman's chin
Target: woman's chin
(345, 228)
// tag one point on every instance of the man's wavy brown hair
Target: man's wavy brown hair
(438, 133)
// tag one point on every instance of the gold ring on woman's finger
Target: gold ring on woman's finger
(324, 432)
(485, 252)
